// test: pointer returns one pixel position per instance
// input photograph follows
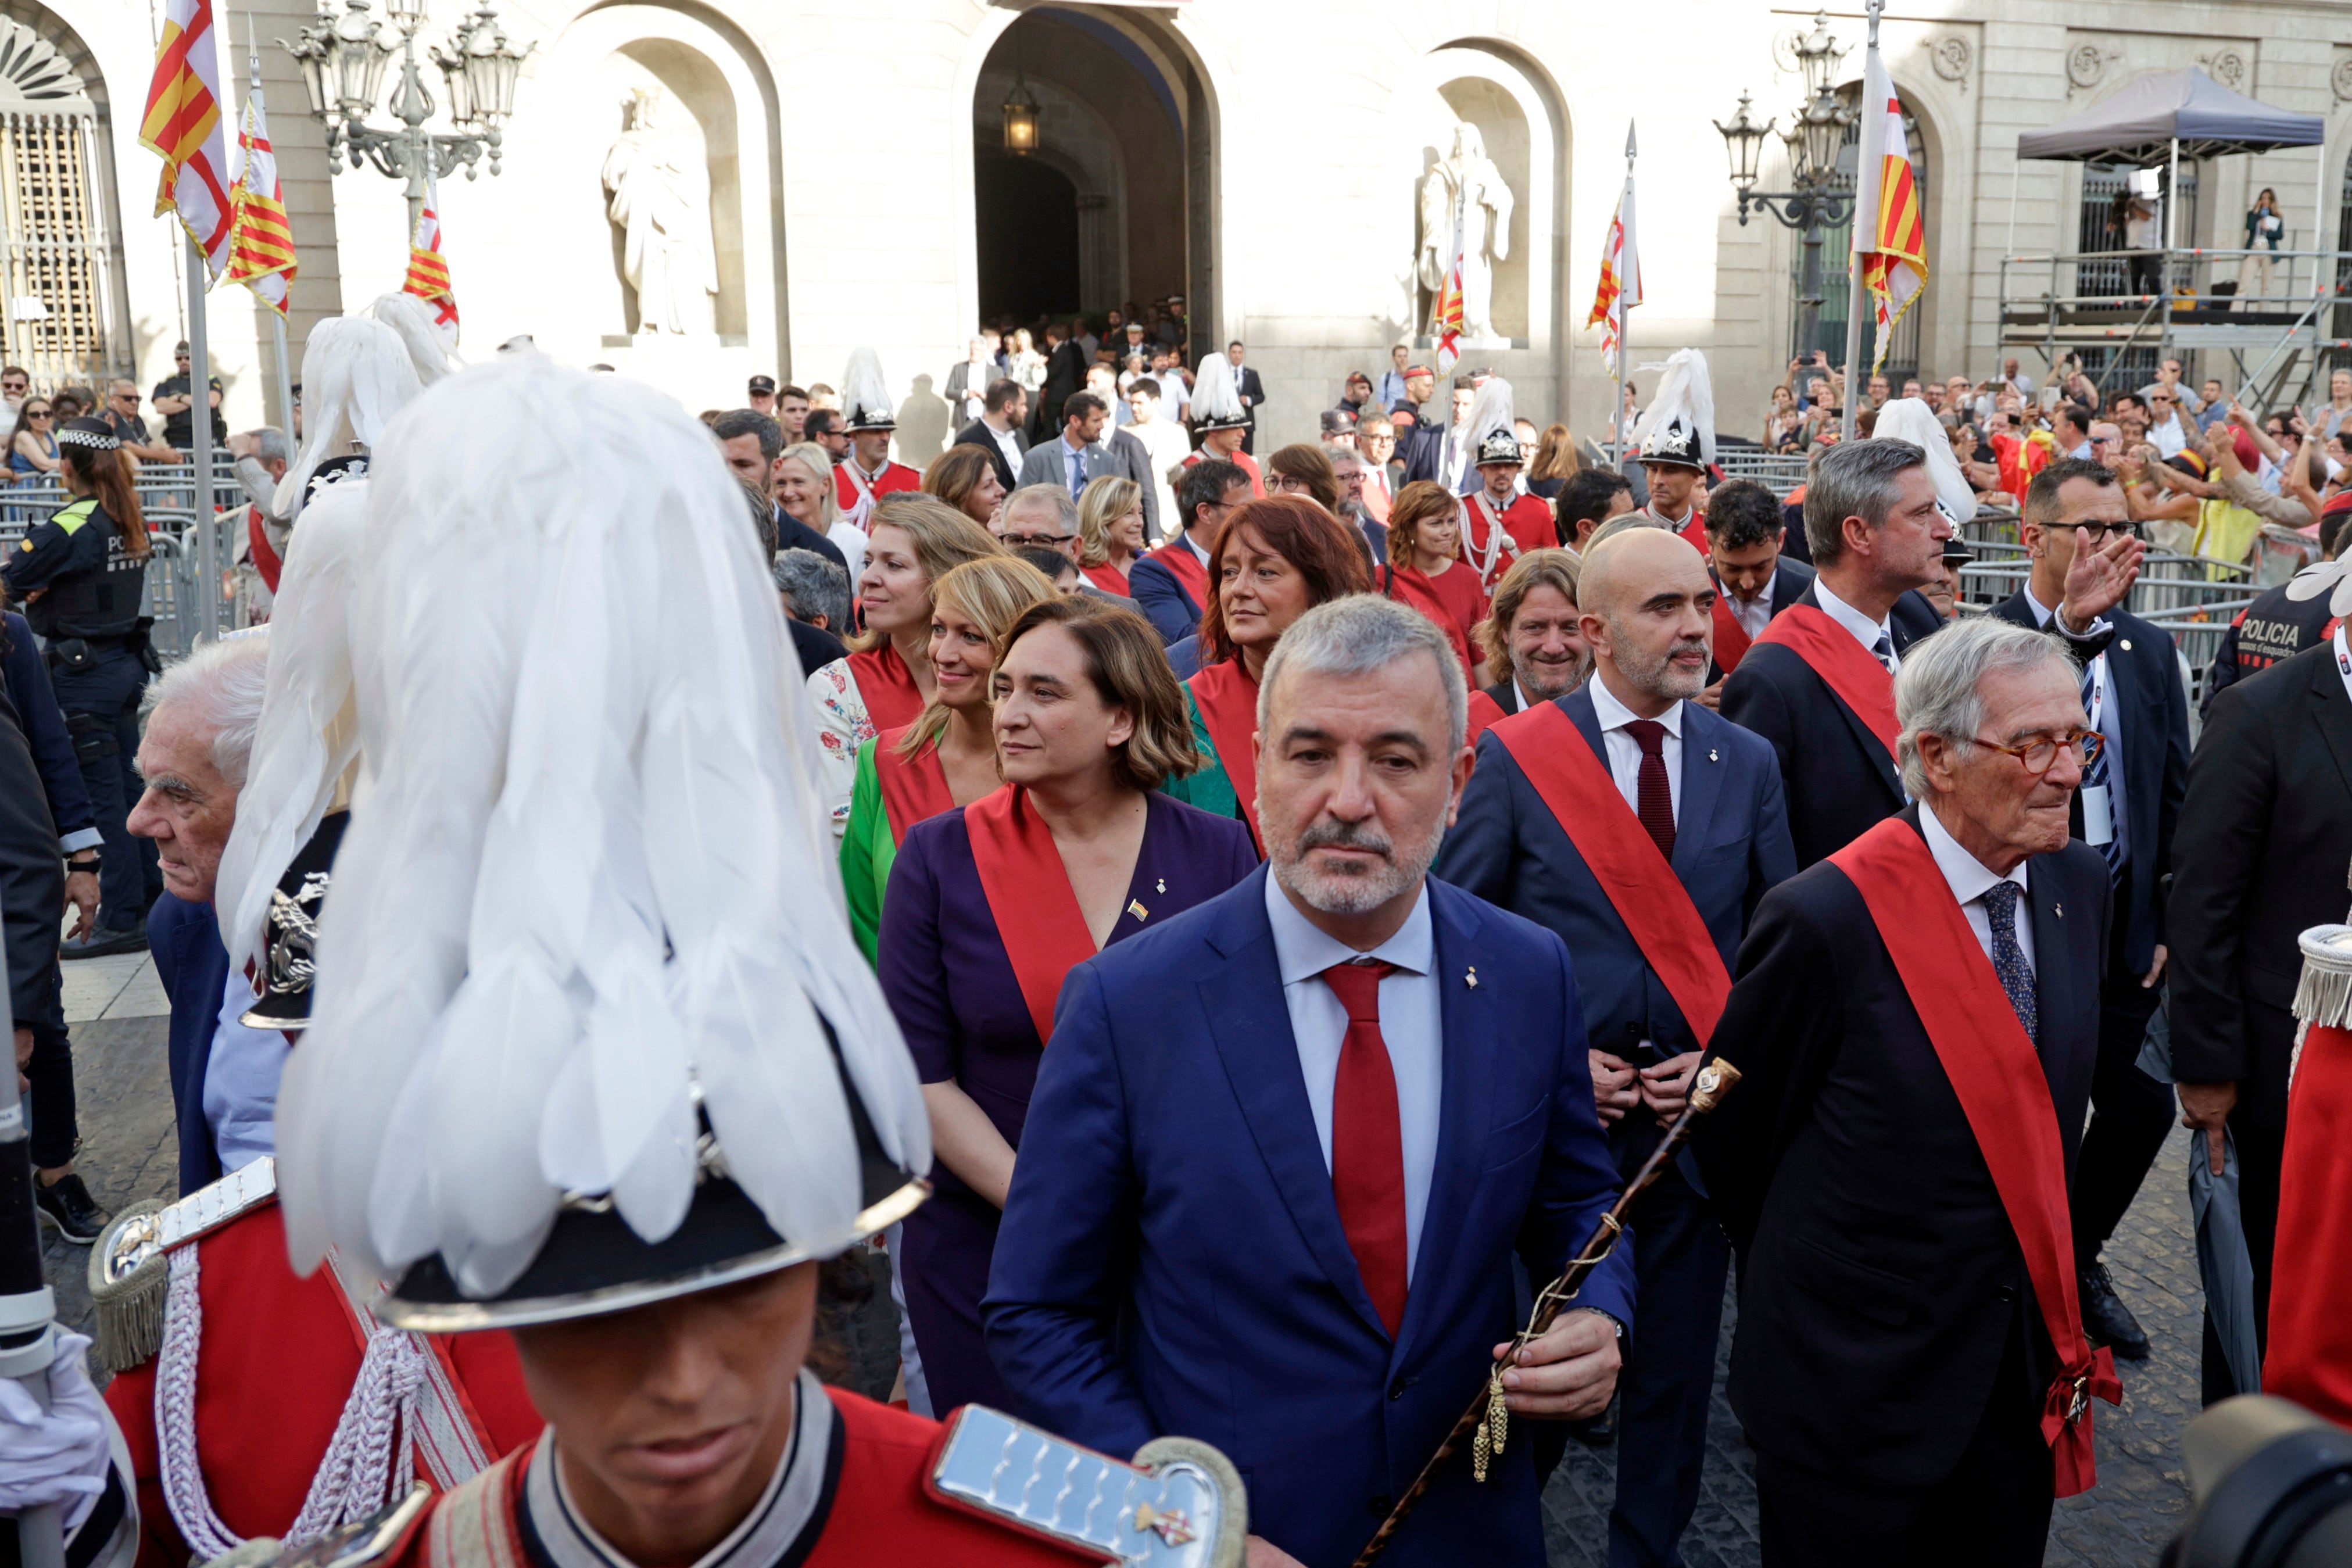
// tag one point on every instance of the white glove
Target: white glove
(59, 1455)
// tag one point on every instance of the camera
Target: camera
(2274, 1485)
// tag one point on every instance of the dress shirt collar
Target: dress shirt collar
(1519, 691)
(1866, 631)
(1615, 715)
(1303, 950)
(1967, 876)
(1195, 545)
(1070, 446)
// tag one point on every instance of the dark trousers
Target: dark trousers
(2258, 1129)
(1992, 1511)
(1680, 1259)
(2131, 1115)
(102, 709)
(50, 1073)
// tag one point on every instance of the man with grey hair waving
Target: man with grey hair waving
(1916, 1021)
(1283, 1148)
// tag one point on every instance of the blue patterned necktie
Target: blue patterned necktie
(2009, 958)
(1077, 473)
(2095, 776)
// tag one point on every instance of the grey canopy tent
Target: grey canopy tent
(2167, 116)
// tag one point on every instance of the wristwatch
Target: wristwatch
(73, 865)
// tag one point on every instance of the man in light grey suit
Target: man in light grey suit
(1077, 455)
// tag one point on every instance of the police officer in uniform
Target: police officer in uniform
(80, 576)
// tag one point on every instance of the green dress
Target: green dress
(867, 853)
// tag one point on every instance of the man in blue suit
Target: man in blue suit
(1172, 584)
(1282, 1150)
(1703, 827)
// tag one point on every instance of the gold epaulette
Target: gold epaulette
(129, 1272)
(371, 1540)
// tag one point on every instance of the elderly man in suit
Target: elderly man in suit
(2259, 858)
(1077, 455)
(1643, 829)
(1819, 682)
(999, 430)
(1917, 1025)
(200, 724)
(1754, 580)
(1283, 1151)
(2126, 809)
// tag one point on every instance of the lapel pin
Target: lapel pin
(1135, 907)
(1710, 754)
(2058, 910)
(1163, 884)
(1471, 978)
(2126, 645)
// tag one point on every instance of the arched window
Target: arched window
(1902, 354)
(55, 253)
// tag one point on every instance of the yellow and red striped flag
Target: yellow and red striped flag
(1446, 310)
(182, 125)
(261, 239)
(428, 269)
(1890, 234)
(1621, 279)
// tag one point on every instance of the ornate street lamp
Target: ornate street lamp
(344, 59)
(1021, 121)
(1822, 198)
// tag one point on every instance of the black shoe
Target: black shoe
(102, 943)
(67, 1205)
(2105, 1318)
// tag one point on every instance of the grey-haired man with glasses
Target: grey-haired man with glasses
(2086, 556)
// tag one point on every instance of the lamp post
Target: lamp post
(344, 58)
(1818, 200)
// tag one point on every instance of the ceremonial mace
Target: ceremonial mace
(1486, 1422)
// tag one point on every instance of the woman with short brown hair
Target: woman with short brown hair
(1274, 560)
(965, 478)
(1425, 569)
(1302, 470)
(991, 906)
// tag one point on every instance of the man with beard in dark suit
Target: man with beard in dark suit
(1917, 1023)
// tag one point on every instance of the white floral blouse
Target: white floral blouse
(842, 726)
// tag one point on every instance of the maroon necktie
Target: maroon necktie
(1367, 1143)
(1657, 807)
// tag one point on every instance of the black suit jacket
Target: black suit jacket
(32, 879)
(1790, 582)
(1880, 1280)
(792, 533)
(1065, 372)
(1840, 780)
(978, 434)
(2260, 858)
(1506, 696)
(1251, 389)
(2144, 691)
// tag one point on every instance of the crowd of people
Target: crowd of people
(1282, 897)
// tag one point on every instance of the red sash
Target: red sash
(1029, 897)
(1228, 698)
(1731, 639)
(1829, 651)
(2309, 1359)
(1997, 1074)
(1192, 572)
(913, 788)
(887, 687)
(1111, 580)
(1582, 796)
(1485, 714)
(265, 560)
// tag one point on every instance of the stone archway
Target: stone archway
(61, 270)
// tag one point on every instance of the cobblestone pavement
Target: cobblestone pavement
(2124, 1522)
(128, 1152)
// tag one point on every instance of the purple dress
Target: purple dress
(945, 972)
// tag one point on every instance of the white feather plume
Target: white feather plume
(1490, 410)
(1215, 397)
(307, 736)
(864, 392)
(582, 878)
(1910, 419)
(2320, 577)
(1686, 394)
(413, 319)
(356, 374)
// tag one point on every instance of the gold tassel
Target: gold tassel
(127, 1290)
(1494, 1429)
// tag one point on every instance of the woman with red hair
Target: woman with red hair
(1274, 560)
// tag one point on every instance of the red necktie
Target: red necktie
(1367, 1143)
(1655, 794)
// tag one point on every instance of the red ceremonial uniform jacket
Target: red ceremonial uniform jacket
(877, 1513)
(896, 476)
(275, 1366)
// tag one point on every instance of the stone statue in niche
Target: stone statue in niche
(660, 200)
(1465, 189)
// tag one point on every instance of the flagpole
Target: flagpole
(277, 318)
(200, 432)
(1624, 327)
(1855, 381)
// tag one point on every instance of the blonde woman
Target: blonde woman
(804, 488)
(886, 678)
(947, 757)
(1110, 532)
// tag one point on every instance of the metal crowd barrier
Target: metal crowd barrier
(167, 499)
(1779, 472)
